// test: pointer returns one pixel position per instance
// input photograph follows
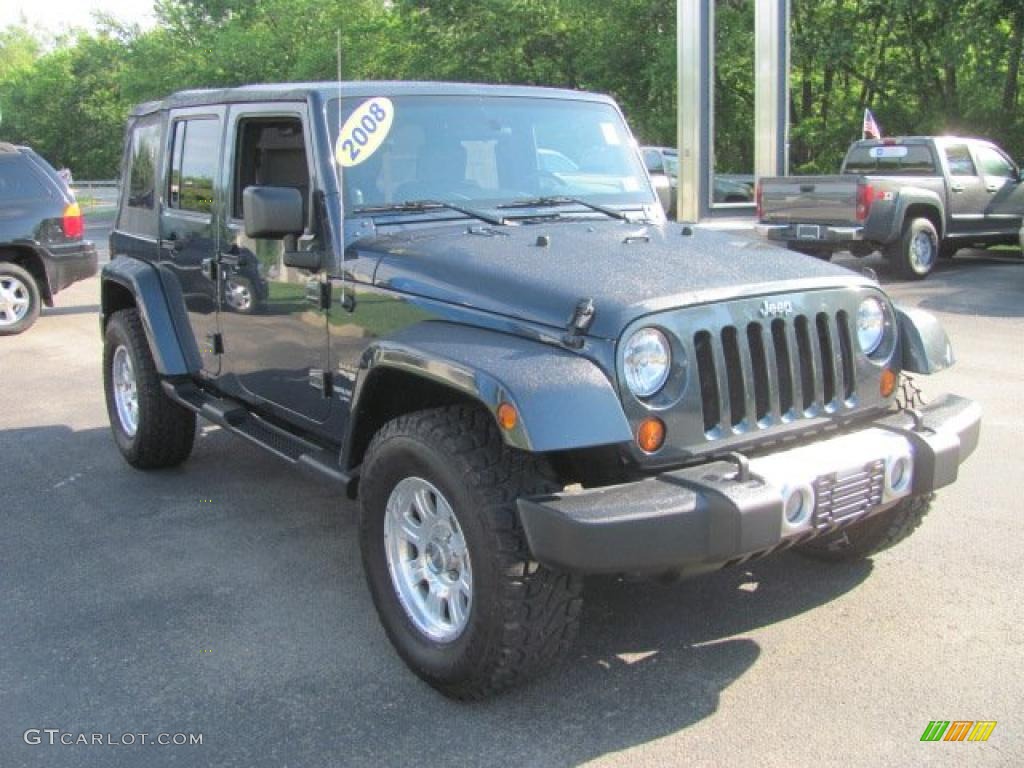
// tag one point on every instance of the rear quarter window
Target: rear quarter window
(18, 180)
(891, 160)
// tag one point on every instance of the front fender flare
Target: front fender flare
(926, 348)
(564, 400)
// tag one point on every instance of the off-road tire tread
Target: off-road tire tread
(871, 536)
(166, 430)
(541, 606)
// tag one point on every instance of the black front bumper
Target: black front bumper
(702, 517)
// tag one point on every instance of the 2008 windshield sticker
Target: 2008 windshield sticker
(364, 131)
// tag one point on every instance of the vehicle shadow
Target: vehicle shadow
(975, 282)
(127, 575)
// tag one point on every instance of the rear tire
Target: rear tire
(866, 538)
(151, 430)
(449, 570)
(915, 253)
(19, 299)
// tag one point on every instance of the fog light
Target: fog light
(899, 474)
(651, 434)
(799, 505)
(888, 383)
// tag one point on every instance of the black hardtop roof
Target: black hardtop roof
(363, 89)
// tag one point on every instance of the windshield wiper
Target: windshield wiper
(548, 202)
(417, 206)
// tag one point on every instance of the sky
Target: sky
(55, 15)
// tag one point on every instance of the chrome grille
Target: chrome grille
(848, 496)
(772, 372)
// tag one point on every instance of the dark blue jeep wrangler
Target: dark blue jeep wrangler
(464, 305)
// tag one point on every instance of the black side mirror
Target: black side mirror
(272, 212)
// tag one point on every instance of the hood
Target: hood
(539, 271)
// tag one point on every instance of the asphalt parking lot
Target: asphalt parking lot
(226, 598)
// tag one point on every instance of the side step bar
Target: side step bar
(239, 420)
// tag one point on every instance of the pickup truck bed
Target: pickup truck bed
(915, 199)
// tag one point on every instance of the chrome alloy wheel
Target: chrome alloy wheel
(922, 252)
(126, 391)
(238, 295)
(14, 300)
(428, 560)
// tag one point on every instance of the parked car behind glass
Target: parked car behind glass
(42, 245)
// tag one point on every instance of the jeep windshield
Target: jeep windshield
(485, 152)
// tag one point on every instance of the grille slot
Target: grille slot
(764, 374)
(849, 496)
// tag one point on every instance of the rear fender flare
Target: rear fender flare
(161, 307)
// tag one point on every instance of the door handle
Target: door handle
(176, 242)
(992, 187)
(954, 187)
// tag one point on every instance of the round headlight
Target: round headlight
(646, 359)
(870, 325)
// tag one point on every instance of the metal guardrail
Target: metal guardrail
(76, 184)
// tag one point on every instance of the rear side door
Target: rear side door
(967, 195)
(190, 235)
(1004, 188)
(274, 328)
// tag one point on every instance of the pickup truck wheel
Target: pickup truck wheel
(915, 253)
(446, 559)
(19, 300)
(150, 429)
(870, 536)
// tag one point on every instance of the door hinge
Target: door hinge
(216, 343)
(322, 380)
(325, 296)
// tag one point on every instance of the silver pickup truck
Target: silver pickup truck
(914, 198)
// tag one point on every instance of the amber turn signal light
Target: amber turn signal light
(888, 383)
(651, 434)
(507, 416)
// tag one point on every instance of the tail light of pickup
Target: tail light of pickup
(866, 196)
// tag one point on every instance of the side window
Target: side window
(959, 158)
(142, 174)
(194, 164)
(271, 153)
(993, 163)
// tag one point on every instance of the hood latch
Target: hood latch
(579, 324)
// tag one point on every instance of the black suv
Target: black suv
(466, 308)
(42, 250)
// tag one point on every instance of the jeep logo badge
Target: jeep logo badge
(776, 308)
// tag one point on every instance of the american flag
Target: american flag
(871, 129)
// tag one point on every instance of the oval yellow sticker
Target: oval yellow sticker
(364, 131)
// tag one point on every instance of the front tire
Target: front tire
(915, 253)
(871, 536)
(19, 300)
(446, 559)
(150, 429)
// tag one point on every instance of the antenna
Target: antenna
(341, 190)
